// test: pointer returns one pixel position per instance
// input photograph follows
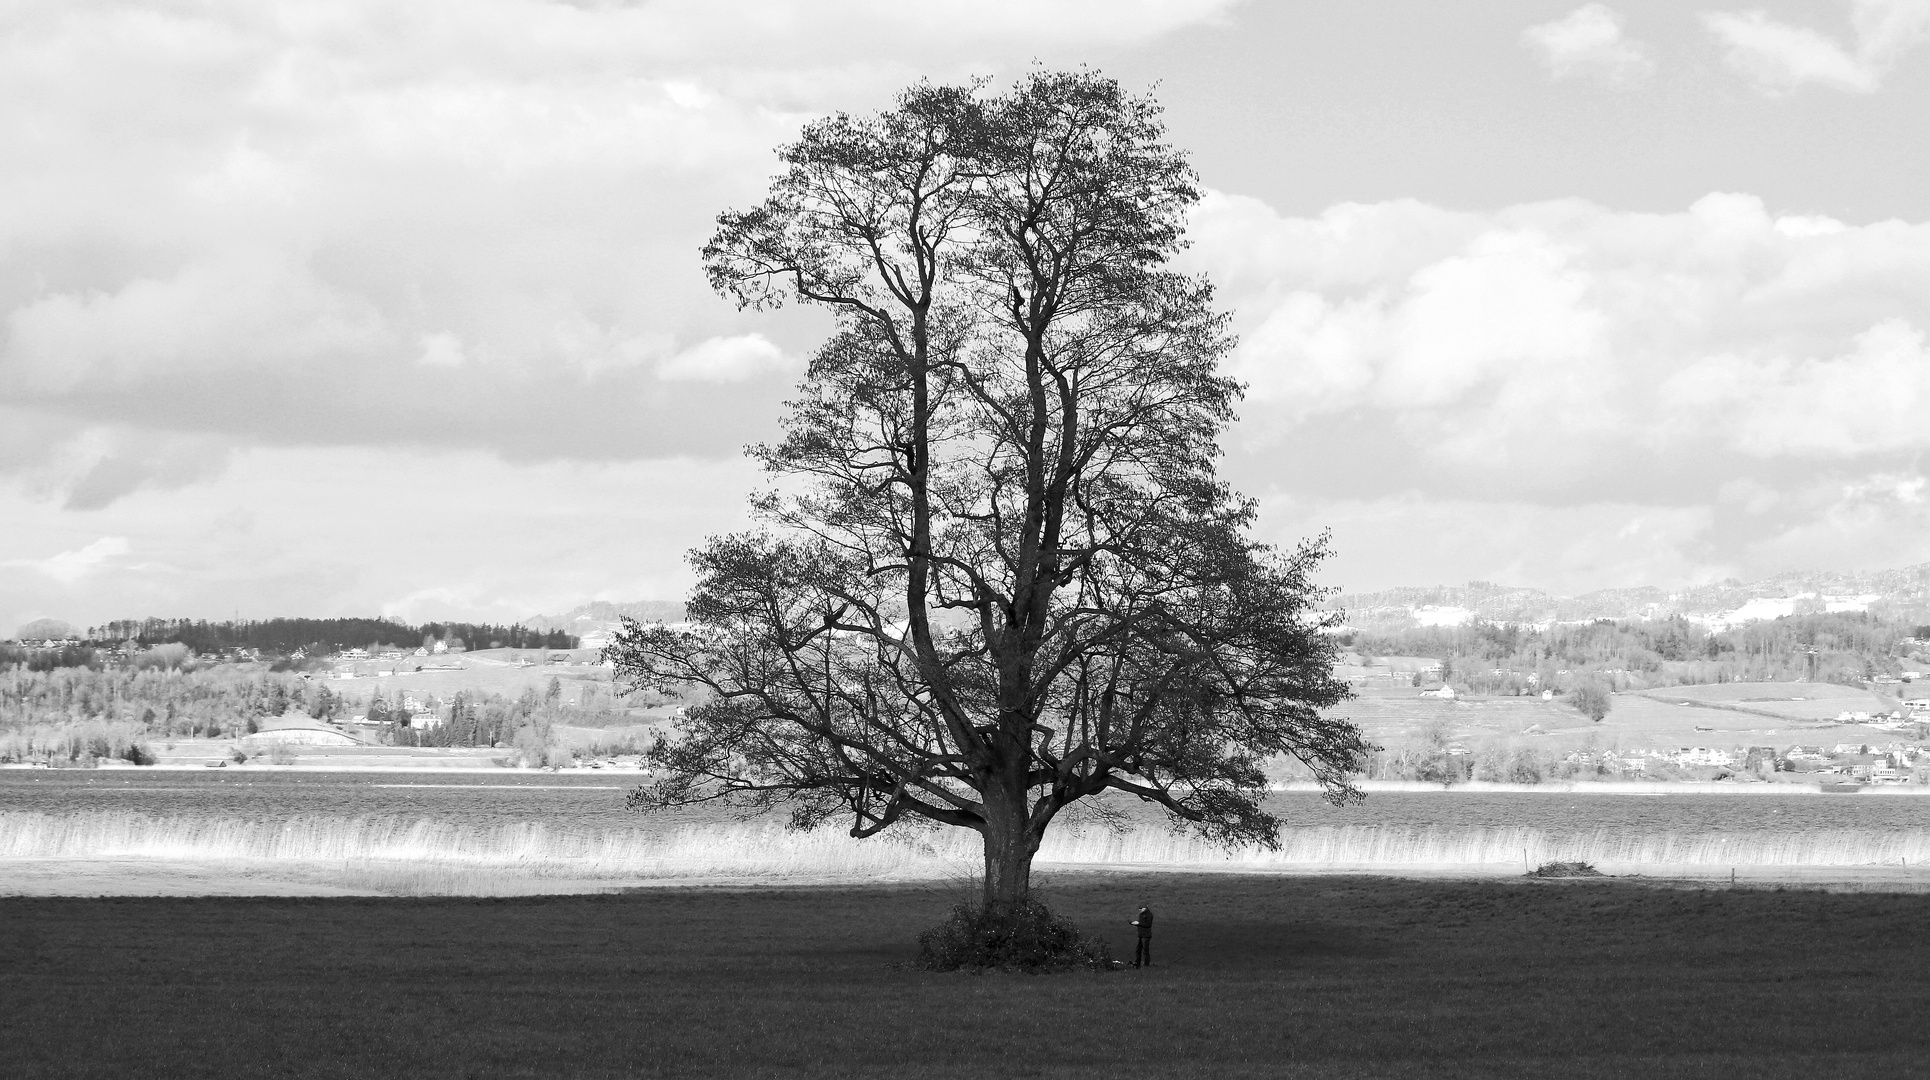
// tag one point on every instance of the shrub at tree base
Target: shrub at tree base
(1565, 869)
(1026, 938)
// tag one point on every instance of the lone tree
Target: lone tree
(1591, 699)
(997, 572)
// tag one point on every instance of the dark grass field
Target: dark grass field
(1256, 976)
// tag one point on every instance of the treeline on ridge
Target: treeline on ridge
(284, 636)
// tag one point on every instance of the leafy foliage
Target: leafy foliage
(68, 656)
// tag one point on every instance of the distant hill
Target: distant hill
(1904, 592)
(606, 615)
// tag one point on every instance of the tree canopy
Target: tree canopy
(996, 572)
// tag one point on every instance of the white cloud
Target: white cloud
(223, 314)
(1863, 522)
(1569, 395)
(458, 222)
(1752, 496)
(1588, 41)
(1779, 57)
(286, 531)
(237, 240)
(1512, 302)
(1873, 399)
(1413, 538)
(441, 350)
(725, 360)
(1868, 521)
(86, 467)
(69, 567)
(1517, 344)
(687, 94)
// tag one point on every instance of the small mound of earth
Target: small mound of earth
(1565, 870)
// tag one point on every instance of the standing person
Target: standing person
(1143, 953)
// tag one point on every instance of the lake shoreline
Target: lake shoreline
(1613, 787)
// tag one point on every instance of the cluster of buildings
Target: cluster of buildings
(1895, 763)
(354, 655)
(1893, 721)
(122, 651)
(362, 664)
(424, 711)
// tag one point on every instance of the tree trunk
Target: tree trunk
(1009, 847)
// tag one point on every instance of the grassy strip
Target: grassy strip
(1328, 977)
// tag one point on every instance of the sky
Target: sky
(347, 307)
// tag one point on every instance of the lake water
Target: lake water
(126, 830)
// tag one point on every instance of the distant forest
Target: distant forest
(284, 636)
(1497, 658)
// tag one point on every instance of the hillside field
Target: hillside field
(1778, 714)
(1788, 700)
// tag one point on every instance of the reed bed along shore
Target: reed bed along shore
(402, 855)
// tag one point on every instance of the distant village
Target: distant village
(1859, 762)
(81, 700)
(1474, 662)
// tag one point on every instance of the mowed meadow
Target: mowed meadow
(1729, 715)
(1254, 976)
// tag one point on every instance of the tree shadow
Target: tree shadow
(1268, 944)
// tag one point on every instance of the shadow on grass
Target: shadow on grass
(1261, 942)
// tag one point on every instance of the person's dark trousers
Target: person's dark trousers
(1143, 955)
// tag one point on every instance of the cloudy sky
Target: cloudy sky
(341, 307)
